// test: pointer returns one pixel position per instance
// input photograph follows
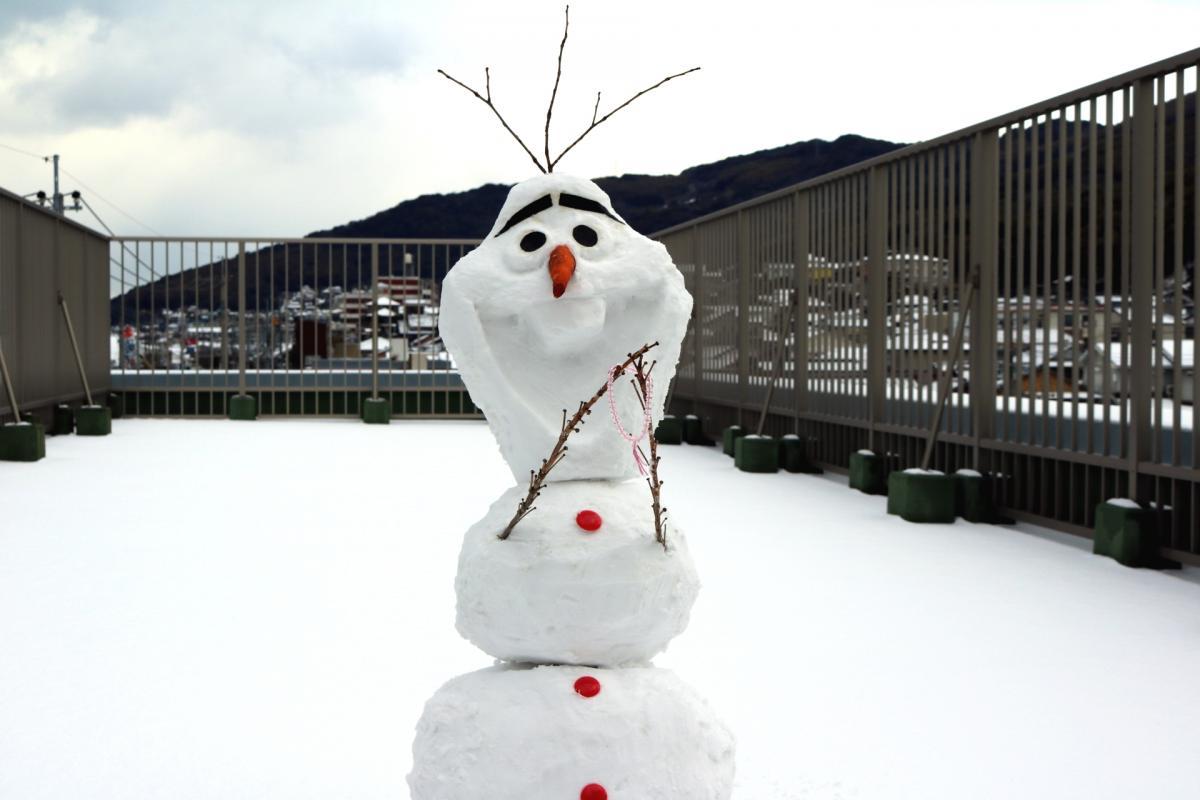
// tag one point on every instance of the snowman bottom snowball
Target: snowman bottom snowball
(581, 580)
(519, 733)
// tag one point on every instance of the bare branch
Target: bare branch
(488, 102)
(642, 377)
(538, 480)
(596, 110)
(615, 110)
(557, 77)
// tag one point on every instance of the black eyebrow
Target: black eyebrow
(584, 204)
(537, 206)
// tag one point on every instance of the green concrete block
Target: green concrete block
(729, 436)
(794, 455)
(921, 496)
(376, 411)
(973, 497)
(1127, 534)
(868, 472)
(64, 421)
(116, 404)
(756, 454)
(669, 430)
(243, 407)
(22, 442)
(93, 421)
(693, 431)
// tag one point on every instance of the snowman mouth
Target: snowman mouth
(566, 323)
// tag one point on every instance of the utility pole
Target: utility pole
(57, 202)
(57, 199)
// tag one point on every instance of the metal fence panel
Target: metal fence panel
(1074, 224)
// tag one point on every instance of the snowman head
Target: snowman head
(561, 290)
(560, 271)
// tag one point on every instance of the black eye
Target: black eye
(532, 241)
(585, 235)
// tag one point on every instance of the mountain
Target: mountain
(648, 203)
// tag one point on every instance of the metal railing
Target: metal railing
(306, 326)
(1077, 219)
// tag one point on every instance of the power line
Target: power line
(24, 152)
(110, 203)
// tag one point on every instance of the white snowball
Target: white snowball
(553, 593)
(511, 733)
(526, 355)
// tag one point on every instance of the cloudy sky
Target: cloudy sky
(279, 118)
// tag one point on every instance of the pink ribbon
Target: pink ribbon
(647, 422)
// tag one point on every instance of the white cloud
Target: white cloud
(284, 117)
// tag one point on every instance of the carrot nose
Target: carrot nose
(562, 267)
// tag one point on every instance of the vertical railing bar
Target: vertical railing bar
(1177, 290)
(1110, 243)
(1009, 199)
(800, 233)
(841, 244)
(1035, 331)
(950, 242)
(1022, 345)
(1077, 258)
(1141, 264)
(903, 281)
(1094, 195)
(1126, 262)
(241, 317)
(289, 331)
(876, 275)
(271, 328)
(887, 357)
(1047, 264)
(1195, 544)
(923, 235)
(1157, 373)
(1061, 323)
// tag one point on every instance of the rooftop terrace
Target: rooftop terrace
(211, 609)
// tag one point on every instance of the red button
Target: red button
(588, 520)
(587, 686)
(593, 791)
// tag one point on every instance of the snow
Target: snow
(206, 609)
(969, 473)
(645, 735)
(526, 355)
(1123, 502)
(919, 471)
(554, 593)
(866, 452)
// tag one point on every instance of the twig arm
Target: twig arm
(596, 122)
(537, 480)
(488, 102)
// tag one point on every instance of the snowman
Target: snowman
(577, 598)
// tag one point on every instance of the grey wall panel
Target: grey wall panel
(40, 255)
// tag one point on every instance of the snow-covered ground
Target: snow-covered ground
(209, 609)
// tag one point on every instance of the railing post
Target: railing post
(984, 219)
(1141, 263)
(877, 188)
(697, 321)
(241, 318)
(743, 337)
(800, 248)
(374, 320)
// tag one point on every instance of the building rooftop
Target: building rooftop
(210, 609)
